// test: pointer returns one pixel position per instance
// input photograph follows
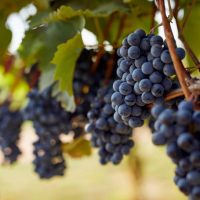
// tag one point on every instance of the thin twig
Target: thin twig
(174, 94)
(178, 65)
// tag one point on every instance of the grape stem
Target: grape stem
(178, 65)
(193, 88)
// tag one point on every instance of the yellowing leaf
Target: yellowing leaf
(79, 148)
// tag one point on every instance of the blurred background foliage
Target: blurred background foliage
(147, 173)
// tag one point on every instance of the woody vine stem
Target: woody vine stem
(178, 65)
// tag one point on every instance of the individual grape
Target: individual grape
(165, 57)
(195, 158)
(133, 39)
(180, 52)
(156, 50)
(184, 117)
(185, 105)
(145, 85)
(123, 51)
(157, 90)
(158, 64)
(156, 77)
(159, 139)
(125, 88)
(140, 32)
(119, 73)
(117, 98)
(124, 65)
(134, 52)
(186, 142)
(156, 110)
(130, 80)
(116, 85)
(147, 68)
(137, 75)
(168, 69)
(135, 122)
(130, 99)
(156, 39)
(193, 177)
(124, 110)
(147, 97)
(167, 84)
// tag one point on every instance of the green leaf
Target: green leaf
(38, 19)
(65, 61)
(104, 10)
(78, 148)
(66, 12)
(5, 38)
(39, 44)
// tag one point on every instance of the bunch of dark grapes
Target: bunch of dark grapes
(112, 138)
(86, 82)
(178, 128)
(145, 70)
(49, 120)
(10, 125)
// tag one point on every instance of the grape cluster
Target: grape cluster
(112, 138)
(145, 70)
(178, 128)
(85, 82)
(49, 120)
(10, 125)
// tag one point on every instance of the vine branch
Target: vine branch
(178, 65)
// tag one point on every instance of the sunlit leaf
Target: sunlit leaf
(65, 61)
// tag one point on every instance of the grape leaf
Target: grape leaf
(39, 44)
(78, 148)
(65, 61)
(66, 12)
